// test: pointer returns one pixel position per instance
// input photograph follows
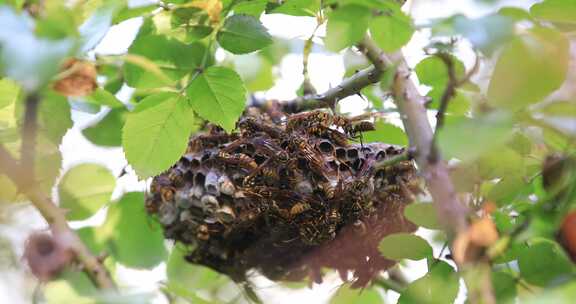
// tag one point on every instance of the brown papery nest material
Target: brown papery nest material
(287, 196)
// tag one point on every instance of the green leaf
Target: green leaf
(93, 30)
(423, 215)
(521, 77)
(399, 246)
(51, 105)
(56, 22)
(562, 11)
(507, 190)
(76, 287)
(439, 285)
(543, 262)
(167, 59)
(295, 7)
(432, 71)
(9, 92)
(8, 191)
(255, 70)
(504, 285)
(63, 290)
(128, 12)
(392, 29)
(156, 134)
(386, 132)
(346, 26)
(29, 60)
(457, 105)
(104, 98)
(486, 33)
(54, 116)
(218, 95)
(345, 295)
(84, 189)
(48, 163)
(251, 7)
(194, 277)
(499, 163)
(467, 139)
(514, 13)
(136, 241)
(108, 131)
(243, 34)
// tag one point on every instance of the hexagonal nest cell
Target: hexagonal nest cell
(286, 196)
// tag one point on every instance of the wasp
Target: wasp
(328, 189)
(167, 194)
(309, 154)
(270, 149)
(309, 234)
(202, 233)
(239, 159)
(176, 176)
(363, 126)
(343, 122)
(270, 174)
(251, 125)
(207, 141)
(151, 205)
(235, 145)
(338, 137)
(334, 216)
(312, 122)
(298, 208)
(260, 191)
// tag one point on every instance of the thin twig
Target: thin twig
(307, 86)
(447, 95)
(54, 216)
(29, 128)
(387, 162)
(389, 284)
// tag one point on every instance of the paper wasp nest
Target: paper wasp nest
(285, 196)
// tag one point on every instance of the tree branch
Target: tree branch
(451, 212)
(447, 95)
(413, 113)
(330, 98)
(23, 177)
(55, 218)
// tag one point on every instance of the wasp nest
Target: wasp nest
(286, 196)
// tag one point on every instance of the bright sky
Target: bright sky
(326, 70)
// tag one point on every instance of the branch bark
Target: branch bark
(414, 117)
(451, 212)
(54, 216)
(22, 174)
(348, 87)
